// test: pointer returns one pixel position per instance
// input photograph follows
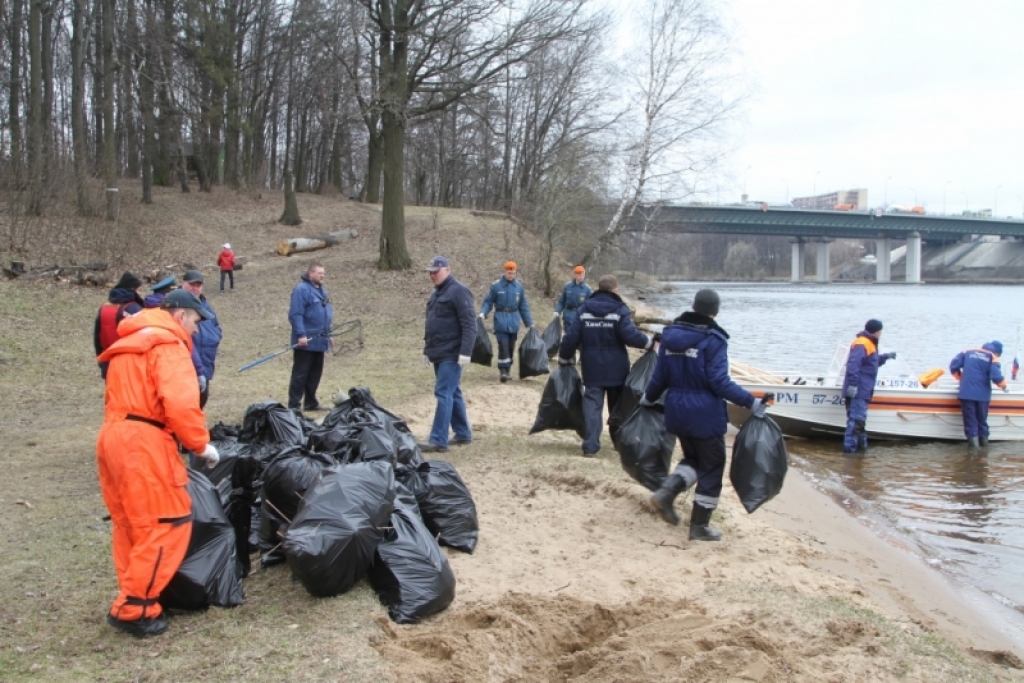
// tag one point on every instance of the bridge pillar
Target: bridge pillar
(883, 262)
(823, 271)
(914, 257)
(796, 267)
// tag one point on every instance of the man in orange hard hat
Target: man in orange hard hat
(152, 404)
(508, 299)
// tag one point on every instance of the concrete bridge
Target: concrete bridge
(820, 228)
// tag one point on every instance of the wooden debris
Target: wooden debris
(296, 245)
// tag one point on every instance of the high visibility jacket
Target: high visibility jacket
(155, 378)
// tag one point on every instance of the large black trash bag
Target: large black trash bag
(645, 448)
(239, 509)
(633, 390)
(230, 450)
(759, 461)
(411, 573)
(342, 428)
(483, 352)
(561, 405)
(552, 336)
(285, 483)
(446, 505)
(271, 422)
(209, 573)
(533, 356)
(331, 542)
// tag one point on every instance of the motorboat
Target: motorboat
(903, 407)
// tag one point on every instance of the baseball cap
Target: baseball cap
(181, 298)
(510, 265)
(437, 263)
(579, 270)
(192, 276)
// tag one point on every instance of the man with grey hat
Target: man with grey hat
(693, 368)
(207, 338)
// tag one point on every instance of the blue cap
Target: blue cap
(437, 263)
(164, 284)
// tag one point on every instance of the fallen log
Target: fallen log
(296, 245)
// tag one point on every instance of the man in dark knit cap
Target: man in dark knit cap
(122, 300)
(859, 384)
(693, 367)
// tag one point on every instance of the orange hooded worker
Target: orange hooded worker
(152, 398)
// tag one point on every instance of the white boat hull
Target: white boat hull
(893, 414)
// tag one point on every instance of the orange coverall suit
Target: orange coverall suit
(152, 396)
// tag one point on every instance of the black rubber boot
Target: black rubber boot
(503, 374)
(141, 628)
(699, 521)
(972, 442)
(983, 441)
(663, 498)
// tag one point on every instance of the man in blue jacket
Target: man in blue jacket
(508, 299)
(448, 338)
(693, 367)
(602, 331)
(311, 315)
(208, 335)
(859, 384)
(575, 292)
(977, 370)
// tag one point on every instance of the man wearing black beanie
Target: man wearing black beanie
(122, 300)
(859, 384)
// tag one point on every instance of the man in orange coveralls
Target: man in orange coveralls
(152, 398)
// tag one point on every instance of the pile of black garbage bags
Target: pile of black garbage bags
(347, 499)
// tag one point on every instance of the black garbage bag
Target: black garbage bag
(230, 449)
(331, 542)
(342, 429)
(271, 422)
(483, 352)
(209, 574)
(759, 461)
(552, 336)
(242, 500)
(645, 448)
(285, 483)
(411, 573)
(404, 498)
(446, 505)
(633, 390)
(561, 405)
(533, 356)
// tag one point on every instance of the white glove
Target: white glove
(481, 316)
(202, 383)
(555, 314)
(426, 361)
(210, 455)
(1006, 390)
(463, 361)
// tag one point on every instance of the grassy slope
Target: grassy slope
(57, 576)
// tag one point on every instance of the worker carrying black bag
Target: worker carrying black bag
(483, 353)
(759, 460)
(552, 336)
(561, 405)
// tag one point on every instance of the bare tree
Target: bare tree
(678, 87)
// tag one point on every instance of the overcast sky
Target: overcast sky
(916, 100)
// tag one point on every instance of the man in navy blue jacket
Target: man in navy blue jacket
(448, 338)
(311, 315)
(602, 331)
(207, 338)
(859, 384)
(693, 366)
(977, 370)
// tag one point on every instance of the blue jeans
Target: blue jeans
(856, 437)
(593, 412)
(975, 418)
(451, 408)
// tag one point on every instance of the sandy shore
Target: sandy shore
(574, 577)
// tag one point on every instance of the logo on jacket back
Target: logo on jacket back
(689, 353)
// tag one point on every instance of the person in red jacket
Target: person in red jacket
(152, 404)
(226, 263)
(123, 300)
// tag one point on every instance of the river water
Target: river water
(963, 512)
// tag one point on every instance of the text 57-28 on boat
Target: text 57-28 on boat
(811, 405)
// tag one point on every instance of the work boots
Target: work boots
(663, 498)
(972, 443)
(699, 529)
(504, 374)
(983, 441)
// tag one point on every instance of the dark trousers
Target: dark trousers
(593, 414)
(307, 367)
(506, 347)
(706, 457)
(231, 276)
(975, 418)
(856, 437)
